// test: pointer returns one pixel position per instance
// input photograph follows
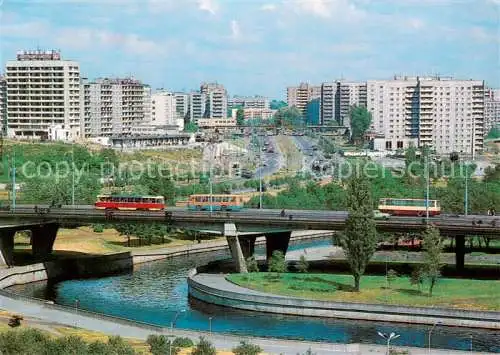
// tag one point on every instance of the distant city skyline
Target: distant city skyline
(260, 47)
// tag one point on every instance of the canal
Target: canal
(157, 293)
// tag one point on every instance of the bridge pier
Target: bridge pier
(460, 252)
(234, 243)
(7, 247)
(277, 241)
(247, 244)
(43, 237)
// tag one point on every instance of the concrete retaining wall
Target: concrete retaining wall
(373, 312)
(105, 265)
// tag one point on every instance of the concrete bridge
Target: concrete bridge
(240, 228)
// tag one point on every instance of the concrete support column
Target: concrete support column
(247, 244)
(460, 252)
(234, 245)
(7, 247)
(43, 237)
(277, 241)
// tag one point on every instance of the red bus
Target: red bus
(409, 206)
(130, 203)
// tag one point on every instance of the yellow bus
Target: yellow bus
(224, 202)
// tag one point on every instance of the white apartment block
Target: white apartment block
(444, 114)
(491, 109)
(299, 96)
(258, 113)
(337, 98)
(182, 105)
(163, 109)
(197, 105)
(250, 102)
(3, 104)
(112, 107)
(216, 100)
(43, 91)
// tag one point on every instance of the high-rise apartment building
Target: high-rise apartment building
(257, 102)
(182, 105)
(299, 96)
(163, 109)
(215, 100)
(3, 105)
(43, 91)
(491, 109)
(112, 107)
(444, 114)
(337, 98)
(197, 106)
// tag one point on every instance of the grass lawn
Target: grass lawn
(454, 293)
(85, 240)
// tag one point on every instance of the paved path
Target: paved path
(42, 314)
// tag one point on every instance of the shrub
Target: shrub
(98, 228)
(417, 277)
(277, 262)
(252, 265)
(159, 345)
(204, 347)
(247, 349)
(15, 321)
(303, 264)
(182, 343)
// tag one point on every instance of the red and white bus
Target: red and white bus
(409, 206)
(130, 203)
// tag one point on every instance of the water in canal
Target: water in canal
(157, 291)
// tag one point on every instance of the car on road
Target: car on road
(381, 215)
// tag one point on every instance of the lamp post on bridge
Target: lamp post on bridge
(430, 334)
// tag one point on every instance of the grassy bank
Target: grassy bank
(454, 293)
(84, 240)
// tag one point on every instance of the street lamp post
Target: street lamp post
(210, 325)
(260, 173)
(210, 176)
(466, 197)
(77, 302)
(73, 176)
(430, 334)
(389, 337)
(172, 324)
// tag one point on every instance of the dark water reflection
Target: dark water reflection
(157, 291)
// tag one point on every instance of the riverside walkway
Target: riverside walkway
(38, 312)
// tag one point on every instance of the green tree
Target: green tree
(247, 349)
(252, 265)
(191, 127)
(204, 347)
(159, 345)
(126, 229)
(417, 277)
(277, 262)
(240, 117)
(303, 264)
(276, 105)
(392, 275)
(494, 133)
(182, 342)
(432, 245)
(361, 119)
(359, 239)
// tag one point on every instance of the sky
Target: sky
(260, 46)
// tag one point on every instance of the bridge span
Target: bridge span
(241, 228)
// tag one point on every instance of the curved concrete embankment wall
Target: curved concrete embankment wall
(105, 265)
(256, 301)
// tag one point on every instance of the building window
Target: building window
(388, 145)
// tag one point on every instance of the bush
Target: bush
(98, 228)
(277, 262)
(303, 264)
(182, 343)
(252, 265)
(15, 321)
(204, 347)
(159, 345)
(247, 349)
